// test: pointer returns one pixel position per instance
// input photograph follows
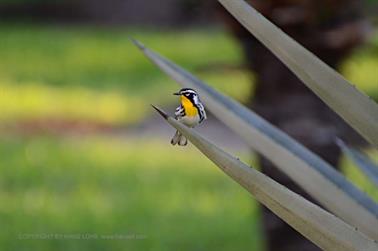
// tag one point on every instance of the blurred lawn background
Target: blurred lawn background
(99, 183)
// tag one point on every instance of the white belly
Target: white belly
(190, 121)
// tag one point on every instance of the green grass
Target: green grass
(97, 74)
(177, 199)
(63, 72)
(103, 58)
(35, 101)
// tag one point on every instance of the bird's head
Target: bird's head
(187, 92)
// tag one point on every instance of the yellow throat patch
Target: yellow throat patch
(190, 109)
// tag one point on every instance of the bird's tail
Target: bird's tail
(179, 139)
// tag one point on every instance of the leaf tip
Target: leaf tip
(340, 143)
(137, 44)
(163, 114)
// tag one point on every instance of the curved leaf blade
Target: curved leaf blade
(322, 228)
(325, 82)
(309, 171)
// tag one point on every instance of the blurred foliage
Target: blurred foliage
(362, 66)
(176, 199)
(372, 1)
(353, 173)
(98, 74)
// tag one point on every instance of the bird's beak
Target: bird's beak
(177, 94)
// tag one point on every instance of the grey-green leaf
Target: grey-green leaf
(357, 109)
(322, 228)
(313, 174)
(362, 161)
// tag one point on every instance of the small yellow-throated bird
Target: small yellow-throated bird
(190, 112)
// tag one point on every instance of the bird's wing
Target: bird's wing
(202, 112)
(180, 112)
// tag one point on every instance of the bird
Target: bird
(190, 112)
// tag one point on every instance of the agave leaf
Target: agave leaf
(322, 228)
(309, 171)
(362, 161)
(357, 109)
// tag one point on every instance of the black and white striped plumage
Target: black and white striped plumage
(191, 112)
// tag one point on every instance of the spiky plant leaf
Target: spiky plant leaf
(309, 171)
(361, 160)
(357, 109)
(322, 228)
